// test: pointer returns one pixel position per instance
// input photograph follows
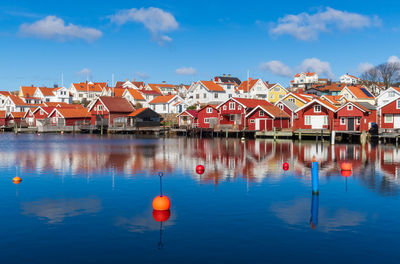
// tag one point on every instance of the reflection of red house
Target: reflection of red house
(354, 116)
(233, 111)
(266, 118)
(109, 110)
(390, 115)
(207, 115)
(187, 118)
(2, 118)
(316, 114)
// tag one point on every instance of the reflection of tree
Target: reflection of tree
(55, 210)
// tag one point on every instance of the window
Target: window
(358, 120)
(206, 120)
(228, 87)
(100, 108)
(204, 96)
(197, 96)
(307, 120)
(239, 107)
(391, 94)
(280, 106)
(317, 108)
(272, 96)
(398, 104)
(349, 107)
(229, 96)
(231, 106)
(388, 118)
(47, 100)
(209, 110)
(224, 107)
(342, 121)
(291, 100)
(281, 96)
(277, 88)
(232, 118)
(41, 112)
(252, 121)
(164, 107)
(215, 95)
(261, 113)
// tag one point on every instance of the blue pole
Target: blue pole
(314, 177)
(314, 211)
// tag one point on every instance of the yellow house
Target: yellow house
(276, 92)
(298, 99)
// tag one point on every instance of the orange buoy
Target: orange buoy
(161, 216)
(161, 203)
(200, 169)
(346, 166)
(17, 180)
(285, 166)
(346, 173)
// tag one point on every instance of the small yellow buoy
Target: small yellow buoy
(17, 180)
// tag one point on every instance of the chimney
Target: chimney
(163, 81)
(223, 75)
(127, 79)
(229, 75)
(133, 80)
(55, 86)
(250, 79)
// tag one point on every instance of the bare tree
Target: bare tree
(389, 73)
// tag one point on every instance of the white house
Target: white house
(387, 96)
(164, 88)
(349, 79)
(254, 89)
(3, 97)
(168, 104)
(205, 92)
(304, 79)
(15, 104)
(57, 94)
(130, 84)
(86, 90)
(134, 96)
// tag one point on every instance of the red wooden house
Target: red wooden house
(266, 118)
(3, 118)
(233, 111)
(353, 116)
(15, 118)
(40, 114)
(110, 111)
(69, 116)
(289, 108)
(389, 115)
(208, 116)
(316, 114)
(188, 118)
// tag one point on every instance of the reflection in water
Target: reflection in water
(142, 222)
(328, 219)
(55, 210)
(224, 159)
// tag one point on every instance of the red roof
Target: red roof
(73, 113)
(83, 86)
(117, 104)
(17, 100)
(274, 111)
(136, 112)
(212, 86)
(18, 114)
(357, 91)
(306, 73)
(246, 86)
(136, 95)
(162, 99)
(193, 113)
(153, 92)
(5, 93)
(47, 91)
(251, 103)
(28, 90)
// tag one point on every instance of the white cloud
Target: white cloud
(393, 59)
(85, 72)
(315, 65)
(277, 68)
(52, 27)
(364, 66)
(156, 20)
(142, 75)
(186, 71)
(305, 26)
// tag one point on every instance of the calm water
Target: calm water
(87, 199)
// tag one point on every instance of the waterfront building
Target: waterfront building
(110, 111)
(208, 116)
(353, 116)
(168, 104)
(188, 118)
(316, 114)
(266, 118)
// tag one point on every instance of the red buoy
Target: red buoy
(200, 169)
(285, 166)
(161, 203)
(346, 166)
(17, 180)
(346, 173)
(161, 216)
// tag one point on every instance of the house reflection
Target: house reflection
(224, 159)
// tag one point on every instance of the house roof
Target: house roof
(18, 114)
(212, 86)
(162, 99)
(72, 113)
(136, 95)
(324, 103)
(229, 79)
(153, 92)
(2, 114)
(137, 111)
(360, 92)
(366, 105)
(5, 93)
(47, 91)
(116, 104)
(28, 90)
(192, 113)
(47, 109)
(306, 73)
(16, 100)
(272, 110)
(247, 103)
(247, 85)
(333, 87)
(333, 99)
(292, 106)
(91, 87)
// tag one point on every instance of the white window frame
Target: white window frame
(349, 107)
(239, 107)
(388, 118)
(261, 113)
(224, 107)
(280, 106)
(206, 120)
(343, 121)
(315, 109)
(292, 100)
(252, 121)
(209, 110)
(307, 120)
(232, 118)
(397, 104)
(231, 106)
(358, 120)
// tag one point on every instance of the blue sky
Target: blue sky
(183, 41)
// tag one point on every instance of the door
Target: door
(258, 124)
(269, 124)
(396, 121)
(350, 123)
(317, 122)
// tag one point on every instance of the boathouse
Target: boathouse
(266, 118)
(316, 114)
(353, 116)
(110, 111)
(208, 116)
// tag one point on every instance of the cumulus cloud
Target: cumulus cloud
(277, 68)
(364, 66)
(318, 66)
(85, 72)
(393, 59)
(142, 75)
(52, 27)
(186, 71)
(156, 20)
(305, 26)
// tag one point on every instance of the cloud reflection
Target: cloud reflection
(143, 222)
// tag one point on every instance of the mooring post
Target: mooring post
(314, 211)
(322, 135)
(314, 177)
(274, 134)
(299, 134)
(333, 137)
